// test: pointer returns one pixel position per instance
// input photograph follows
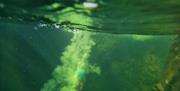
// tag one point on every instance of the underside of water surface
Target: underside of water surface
(89, 45)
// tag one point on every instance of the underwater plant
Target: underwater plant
(70, 75)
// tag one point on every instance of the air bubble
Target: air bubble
(35, 28)
(20, 19)
(2, 5)
(56, 26)
(90, 4)
(42, 25)
(10, 18)
(74, 30)
(24, 11)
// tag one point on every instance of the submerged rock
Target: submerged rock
(171, 80)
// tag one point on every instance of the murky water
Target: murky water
(80, 45)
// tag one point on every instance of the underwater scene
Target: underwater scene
(89, 45)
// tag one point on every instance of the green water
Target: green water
(65, 46)
(29, 57)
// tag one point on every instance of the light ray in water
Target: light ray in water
(75, 65)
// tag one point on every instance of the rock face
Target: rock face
(171, 80)
(172, 73)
